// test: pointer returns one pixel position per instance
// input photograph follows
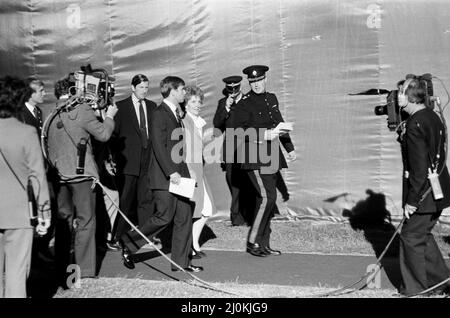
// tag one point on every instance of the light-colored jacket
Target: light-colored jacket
(20, 145)
(66, 131)
(194, 161)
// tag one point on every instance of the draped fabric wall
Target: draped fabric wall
(318, 52)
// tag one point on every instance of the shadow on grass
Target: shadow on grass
(372, 217)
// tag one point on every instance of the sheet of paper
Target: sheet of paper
(284, 127)
(185, 188)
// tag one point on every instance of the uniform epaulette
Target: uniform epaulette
(246, 96)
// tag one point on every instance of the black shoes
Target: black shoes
(190, 268)
(261, 251)
(270, 251)
(256, 250)
(113, 246)
(126, 256)
(197, 254)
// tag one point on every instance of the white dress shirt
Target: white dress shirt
(136, 109)
(30, 108)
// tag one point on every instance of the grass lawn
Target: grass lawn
(298, 236)
(316, 237)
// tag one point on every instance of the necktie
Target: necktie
(37, 115)
(142, 126)
(177, 111)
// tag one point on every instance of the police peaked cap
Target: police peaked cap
(255, 72)
(232, 81)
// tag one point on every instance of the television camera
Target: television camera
(392, 108)
(94, 86)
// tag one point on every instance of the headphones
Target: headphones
(402, 97)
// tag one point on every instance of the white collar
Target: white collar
(30, 107)
(172, 106)
(136, 100)
(199, 122)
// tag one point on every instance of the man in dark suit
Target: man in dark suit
(166, 166)
(423, 151)
(132, 149)
(223, 119)
(259, 151)
(31, 114)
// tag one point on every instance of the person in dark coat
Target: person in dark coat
(259, 151)
(132, 148)
(422, 140)
(223, 119)
(167, 165)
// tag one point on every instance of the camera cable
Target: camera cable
(133, 227)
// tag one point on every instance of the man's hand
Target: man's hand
(292, 156)
(110, 167)
(229, 103)
(42, 226)
(270, 134)
(112, 111)
(175, 178)
(409, 210)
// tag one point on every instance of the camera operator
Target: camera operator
(21, 168)
(69, 142)
(423, 151)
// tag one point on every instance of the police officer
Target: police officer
(258, 149)
(223, 119)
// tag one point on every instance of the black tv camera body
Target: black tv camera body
(94, 86)
(392, 108)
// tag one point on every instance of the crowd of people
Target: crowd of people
(137, 142)
(133, 141)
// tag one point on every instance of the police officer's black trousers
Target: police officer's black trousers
(265, 187)
(233, 176)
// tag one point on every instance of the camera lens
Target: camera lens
(380, 110)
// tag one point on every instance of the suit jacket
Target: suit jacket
(24, 155)
(420, 145)
(260, 111)
(195, 163)
(28, 118)
(66, 131)
(127, 142)
(223, 120)
(162, 161)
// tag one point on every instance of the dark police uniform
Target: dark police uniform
(224, 119)
(261, 112)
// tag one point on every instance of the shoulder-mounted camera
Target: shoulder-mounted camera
(94, 86)
(392, 108)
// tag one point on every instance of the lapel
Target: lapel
(169, 112)
(149, 111)
(28, 117)
(192, 126)
(133, 116)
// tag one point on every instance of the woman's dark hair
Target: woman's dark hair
(138, 79)
(12, 95)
